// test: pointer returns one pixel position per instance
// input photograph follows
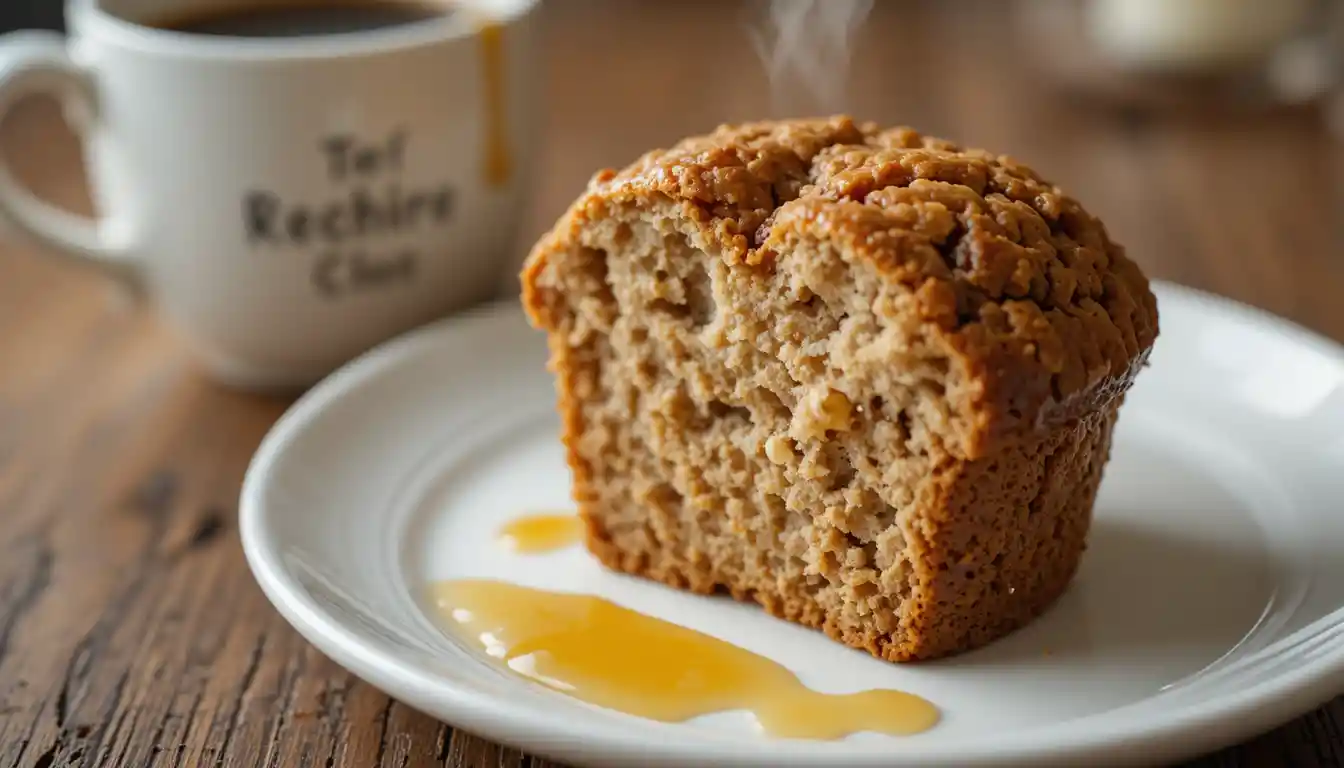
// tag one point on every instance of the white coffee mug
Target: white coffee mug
(287, 202)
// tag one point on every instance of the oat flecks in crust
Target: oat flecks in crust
(863, 377)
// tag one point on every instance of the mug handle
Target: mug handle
(34, 63)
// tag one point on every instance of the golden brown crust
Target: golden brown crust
(1043, 309)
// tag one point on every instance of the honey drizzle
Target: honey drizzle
(599, 652)
(498, 163)
(541, 533)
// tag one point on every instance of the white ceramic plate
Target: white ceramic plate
(1207, 608)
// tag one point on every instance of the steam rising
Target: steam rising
(806, 47)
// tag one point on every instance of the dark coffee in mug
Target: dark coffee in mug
(305, 18)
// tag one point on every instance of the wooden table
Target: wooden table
(131, 633)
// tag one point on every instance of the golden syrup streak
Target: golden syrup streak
(594, 650)
(498, 163)
(541, 533)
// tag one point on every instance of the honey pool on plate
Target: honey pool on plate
(541, 533)
(602, 653)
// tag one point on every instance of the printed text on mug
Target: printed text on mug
(343, 229)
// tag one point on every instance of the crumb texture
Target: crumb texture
(863, 377)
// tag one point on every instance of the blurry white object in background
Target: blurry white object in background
(1193, 35)
(1186, 54)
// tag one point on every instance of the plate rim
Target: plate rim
(1182, 731)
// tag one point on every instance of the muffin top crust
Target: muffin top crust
(1011, 272)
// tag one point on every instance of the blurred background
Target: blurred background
(1199, 130)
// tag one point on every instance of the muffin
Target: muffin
(863, 377)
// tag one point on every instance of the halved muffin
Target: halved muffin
(863, 377)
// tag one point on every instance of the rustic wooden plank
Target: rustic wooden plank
(468, 751)
(131, 633)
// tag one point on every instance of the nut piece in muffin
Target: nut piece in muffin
(863, 377)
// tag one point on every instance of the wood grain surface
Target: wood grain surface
(131, 633)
